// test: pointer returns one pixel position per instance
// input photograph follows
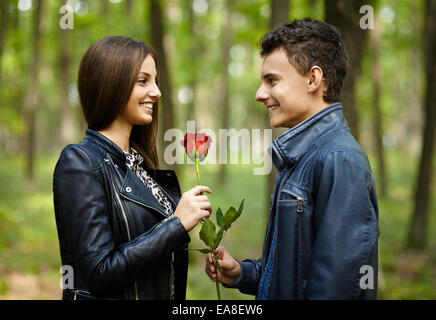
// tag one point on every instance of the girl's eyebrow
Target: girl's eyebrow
(147, 74)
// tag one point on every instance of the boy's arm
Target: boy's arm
(346, 230)
(233, 273)
(248, 279)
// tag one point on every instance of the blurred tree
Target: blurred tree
(129, 8)
(224, 83)
(418, 226)
(279, 16)
(106, 15)
(66, 124)
(3, 29)
(166, 109)
(32, 96)
(4, 9)
(193, 56)
(279, 13)
(344, 15)
(375, 39)
(105, 7)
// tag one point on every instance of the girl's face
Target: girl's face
(139, 109)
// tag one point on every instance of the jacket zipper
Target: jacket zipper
(167, 217)
(125, 221)
(144, 205)
(299, 205)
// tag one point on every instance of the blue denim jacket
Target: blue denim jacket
(326, 208)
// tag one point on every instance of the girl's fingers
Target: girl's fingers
(205, 206)
(197, 190)
(202, 199)
(205, 213)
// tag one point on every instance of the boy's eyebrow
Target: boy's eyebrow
(269, 74)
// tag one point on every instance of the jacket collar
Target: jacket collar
(290, 145)
(166, 179)
(115, 151)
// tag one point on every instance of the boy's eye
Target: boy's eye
(272, 80)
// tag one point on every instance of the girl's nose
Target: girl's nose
(155, 92)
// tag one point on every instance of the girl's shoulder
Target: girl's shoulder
(80, 154)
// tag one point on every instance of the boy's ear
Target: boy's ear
(315, 78)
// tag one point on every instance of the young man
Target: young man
(321, 239)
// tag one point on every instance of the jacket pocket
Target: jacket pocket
(290, 267)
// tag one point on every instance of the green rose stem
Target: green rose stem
(196, 166)
(217, 283)
(197, 172)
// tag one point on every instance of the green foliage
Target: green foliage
(219, 217)
(207, 231)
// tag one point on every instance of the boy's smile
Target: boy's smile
(289, 96)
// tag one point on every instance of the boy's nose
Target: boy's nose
(261, 94)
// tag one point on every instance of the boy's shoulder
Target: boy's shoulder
(334, 148)
(337, 141)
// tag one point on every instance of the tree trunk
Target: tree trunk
(66, 123)
(105, 7)
(166, 108)
(378, 120)
(3, 27)
(418, 226)
(129, 8)
(31, 100)
(193, 55)
(224, 105)
(345, 16)
(279, 16)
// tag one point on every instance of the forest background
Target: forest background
(209, 68)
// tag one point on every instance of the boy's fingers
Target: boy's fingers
(219, 252)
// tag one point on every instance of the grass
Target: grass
(29, 244)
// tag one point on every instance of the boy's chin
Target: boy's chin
(275, 124)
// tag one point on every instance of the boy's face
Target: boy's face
(285, 92)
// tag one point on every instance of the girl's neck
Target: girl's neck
(118, 133)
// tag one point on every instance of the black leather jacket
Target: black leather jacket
(112, 231)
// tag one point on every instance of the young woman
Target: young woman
(122, 223)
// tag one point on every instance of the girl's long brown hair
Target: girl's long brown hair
(107, 75)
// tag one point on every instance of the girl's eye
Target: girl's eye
(143, 81)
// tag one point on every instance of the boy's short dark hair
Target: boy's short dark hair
(310, 42)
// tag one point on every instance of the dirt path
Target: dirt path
(21, 286)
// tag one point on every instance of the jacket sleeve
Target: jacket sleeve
(248, 279)
(346, 230)
(84, 228)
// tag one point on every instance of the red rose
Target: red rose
(196, 143)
